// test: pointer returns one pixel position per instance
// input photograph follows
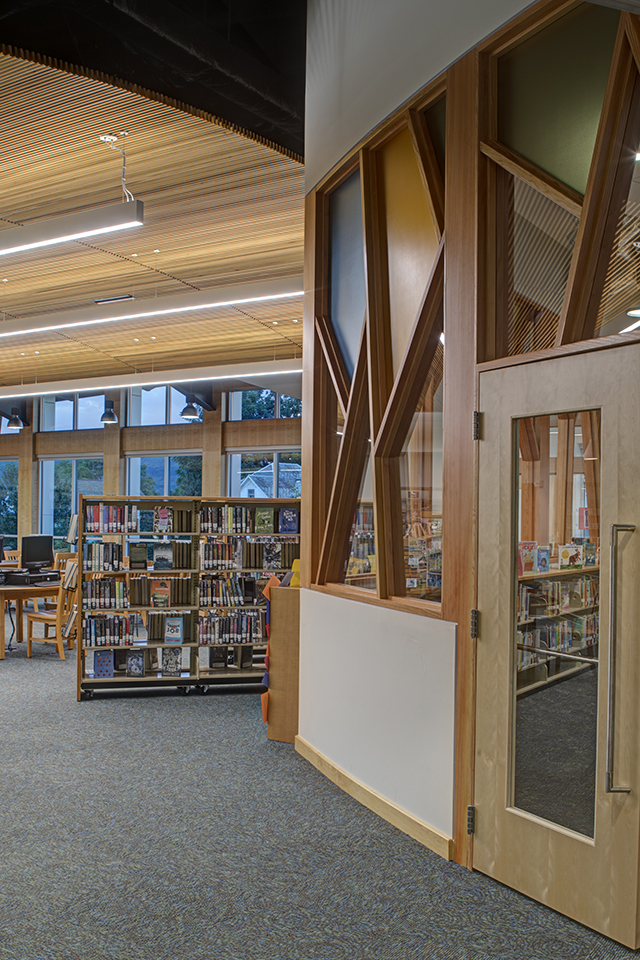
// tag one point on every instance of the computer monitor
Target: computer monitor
(37, 551)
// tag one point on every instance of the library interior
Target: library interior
(382, 489)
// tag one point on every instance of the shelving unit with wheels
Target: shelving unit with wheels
(168, 597)
(243, 543)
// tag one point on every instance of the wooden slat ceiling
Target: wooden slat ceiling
(219, 208)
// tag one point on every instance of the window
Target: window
(177, 475)
(9, 503)
(61, 483)
(155, 406)
(267, 474)
(72, 411)
(262, 405)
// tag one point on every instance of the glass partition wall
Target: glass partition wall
(556, 629)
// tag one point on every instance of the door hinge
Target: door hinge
(474, 624)
(471, 820)
(477, 421)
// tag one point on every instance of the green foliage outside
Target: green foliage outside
(258, 404)
(9, 502)
(185, 476)
(290, 407)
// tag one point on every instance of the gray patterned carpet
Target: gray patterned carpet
(163, 827)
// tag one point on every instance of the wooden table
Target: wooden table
(20, 594)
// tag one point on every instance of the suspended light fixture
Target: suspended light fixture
(189, 412)
(45, 233)
(109, 415)
(14, 422)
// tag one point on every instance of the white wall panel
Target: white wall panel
(377, 697)
(366, 57)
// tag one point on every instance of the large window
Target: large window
(266, 474)
(9, 503)
(61, 483)
(262, 405)
(176, 475)
(72, 411)
(155, 406)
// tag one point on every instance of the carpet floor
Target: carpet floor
(156, 827)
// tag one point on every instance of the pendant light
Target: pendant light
(15, 423)
(109, 415)
(189, 412)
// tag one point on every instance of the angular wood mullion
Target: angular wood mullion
(415, 365)
(348, 476)
(428, 167)
(546, 184)
(619, 125)
(379, 349)
(319, 399)
(334, 360)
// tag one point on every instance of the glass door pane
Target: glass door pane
(556, 628)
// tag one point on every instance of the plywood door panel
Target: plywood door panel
(593, 881)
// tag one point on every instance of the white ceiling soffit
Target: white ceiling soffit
(289, 384)
(154, 307)
(259, 374)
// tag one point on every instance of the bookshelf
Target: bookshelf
(557, 612)
(170, 589)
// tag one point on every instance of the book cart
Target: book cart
(170, 589)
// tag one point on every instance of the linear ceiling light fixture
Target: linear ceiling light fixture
(633, 326)
(163, 306)
(75, 226)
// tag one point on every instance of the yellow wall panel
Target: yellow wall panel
(411, 238)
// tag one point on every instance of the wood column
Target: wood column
(27, 478)
(212, 448)
(113, 464)
(461, 297)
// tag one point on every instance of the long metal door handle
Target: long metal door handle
(613, 616)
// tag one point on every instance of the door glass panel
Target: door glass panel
(347, 267)
(556, 628)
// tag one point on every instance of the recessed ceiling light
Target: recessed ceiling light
(153, 338)
(125, 296)
(23, 354)
(136, 340)
(5, 281)
(156, 251)
(37, 351)
(275, 323)
(295, 321)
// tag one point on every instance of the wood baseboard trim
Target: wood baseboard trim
(412, 826)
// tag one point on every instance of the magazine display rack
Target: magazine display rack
(170, 589)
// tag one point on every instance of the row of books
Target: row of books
(547, 598)
(103, 518)
(102, 556)
(217, 657)
(570, 556)
(232, 628)
(164, 593)
(134, 663)
(112, 630)
(363, 520)
(249, 519)
(106, 593)
(575, 632)
(224, 590)
(172, 520)
(361, 549)
(168, 626)
(236, 554)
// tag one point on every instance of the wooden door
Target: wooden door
(557, 745)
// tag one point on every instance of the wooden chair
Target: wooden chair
(13, 556)
(60, 561)
(54, 620)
